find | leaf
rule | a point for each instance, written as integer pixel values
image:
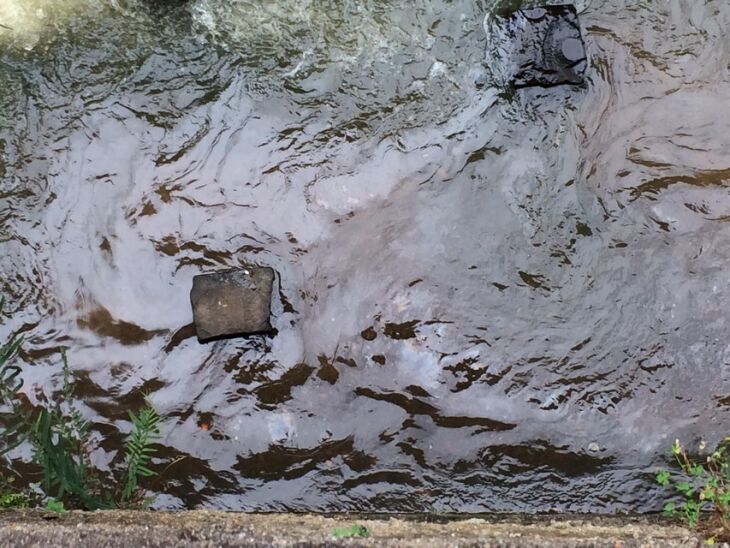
(691, 511)
(685, 488)
(60, 442)
(697, 470)
(354, 531)
(55, 506)
(708, 494)
(14, 500)
(139, 448)
(662, 478)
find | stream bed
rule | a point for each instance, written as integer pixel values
(486, 300)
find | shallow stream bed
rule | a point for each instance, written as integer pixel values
(486, 301)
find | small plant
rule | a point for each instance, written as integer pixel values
(139, 448)
(703, 487)
(61, 448)
(353, 531)
(55, 506)
(59, 437)
(14, 500)
(59, 452)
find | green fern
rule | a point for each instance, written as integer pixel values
(59, 437)
(139, 448)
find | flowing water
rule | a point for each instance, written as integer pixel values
(486, 301)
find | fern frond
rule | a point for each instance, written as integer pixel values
(139, 448)
(59, 437)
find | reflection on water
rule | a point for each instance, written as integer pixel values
(479, 293)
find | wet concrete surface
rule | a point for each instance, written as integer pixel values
(213, 529)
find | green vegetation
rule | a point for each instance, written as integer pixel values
(14, 500)
(353, 531)
(55, 506)
(139, 448)
(59, 437)
(703, 488)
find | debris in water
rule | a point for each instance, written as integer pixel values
(235, 302)
(536, 47)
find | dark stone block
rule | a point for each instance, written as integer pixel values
(236, 302)
(539, 46)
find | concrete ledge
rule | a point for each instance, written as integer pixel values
(208, 529)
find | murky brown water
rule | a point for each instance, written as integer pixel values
(487, 302)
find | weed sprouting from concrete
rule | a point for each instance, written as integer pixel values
(353, 531)
(703, 489)
(61, 447)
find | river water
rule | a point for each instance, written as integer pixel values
(486, 301)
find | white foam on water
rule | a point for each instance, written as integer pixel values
(348, 30)
(24, 22)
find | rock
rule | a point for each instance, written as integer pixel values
(537, 47)
(236, 302)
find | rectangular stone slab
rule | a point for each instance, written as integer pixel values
(232, 303)
(545, 46)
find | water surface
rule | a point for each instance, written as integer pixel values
(486, 301)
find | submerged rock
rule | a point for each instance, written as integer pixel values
(536, 47)
(236, 302)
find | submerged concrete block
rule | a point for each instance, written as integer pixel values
(540, 46)
(235, 302)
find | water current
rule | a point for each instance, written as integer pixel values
(486, 300)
